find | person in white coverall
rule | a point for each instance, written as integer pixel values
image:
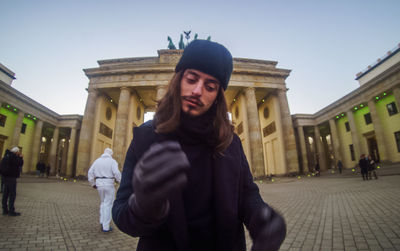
(102, 174)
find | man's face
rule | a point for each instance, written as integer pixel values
(198, 92)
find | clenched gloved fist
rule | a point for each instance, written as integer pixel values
(267, 229)
(160, 171)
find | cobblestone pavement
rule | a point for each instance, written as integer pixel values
(331, 212)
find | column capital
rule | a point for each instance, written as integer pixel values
(282, 90)
(161, 87)
(92, 90)
(161, 90)
(247, 89)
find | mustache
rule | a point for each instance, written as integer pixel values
(193, 100)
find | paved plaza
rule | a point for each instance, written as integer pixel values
(331, 212)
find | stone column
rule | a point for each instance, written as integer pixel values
(161, 90)
(86, 135)
(71, 152)
(53, 152)
(121, 125)
(379, 135)
(321, 157)
(64, 158)
(17, 129)
(255, 137)
(280, 135)
(396, 94)
(288, 132)
(335, 141)
(303, 148)
(354, 134)
(37, 139)
(309, 152)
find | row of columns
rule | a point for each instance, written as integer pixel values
(357, 146)
(120, 142)
(121, 126)
(37, 137)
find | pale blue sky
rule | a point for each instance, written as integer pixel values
(324, 43)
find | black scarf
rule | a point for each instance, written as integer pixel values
(199, 129)
(196, 136)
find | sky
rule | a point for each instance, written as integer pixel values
(47, 44)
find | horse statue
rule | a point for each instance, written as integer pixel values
(171, 45)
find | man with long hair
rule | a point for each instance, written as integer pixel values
(186, 183)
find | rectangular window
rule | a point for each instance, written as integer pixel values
(347, 126)
(392, 109)
(23, 128)
(397, 138)
(269, 129)
(367, 118)
(3, 119)
(105, 130)
(352, 152)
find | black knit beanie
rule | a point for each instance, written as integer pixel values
(208, 57)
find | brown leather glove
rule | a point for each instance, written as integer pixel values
(160, 171)
(267, 229)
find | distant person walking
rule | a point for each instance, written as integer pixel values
(101, 176)
(48, 170)
(340, 166)
(364, 165)
(371, 167)
(11, 166)
(40, 168)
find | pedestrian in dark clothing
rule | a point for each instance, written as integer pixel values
(363, 163)
(317, 169)
(2, 177)
(340, 166)
(371, 168)
(186, 183)
(48, 170)
(2, 183)
(41, 168)
(11, 169)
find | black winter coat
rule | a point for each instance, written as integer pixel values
(236, 199)
(10, 165)
(364, 165)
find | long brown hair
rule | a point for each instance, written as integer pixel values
(168, 114)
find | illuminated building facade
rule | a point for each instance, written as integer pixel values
(39, 132)
(365, 121)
